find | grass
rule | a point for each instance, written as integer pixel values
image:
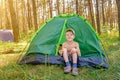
(10, 70)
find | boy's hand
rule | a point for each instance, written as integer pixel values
(73, 50)
(60, 52)
(78, 54)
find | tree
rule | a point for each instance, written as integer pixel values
(103, 16)
(34, 15)
(14, 20)
(29, 15)
(77, 7)
(118, 6)
(7, 20)
(80, 7)
(97, 18)
(1, 14)
(58, 10)
(44, 10)
(108, 11)
(63, 6)
(24, 29)
(91, 13)
(50, 6)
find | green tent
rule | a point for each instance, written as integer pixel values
(45, 43)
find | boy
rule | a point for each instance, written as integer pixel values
(70, 48)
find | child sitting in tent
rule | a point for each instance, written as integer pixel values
(70, 48)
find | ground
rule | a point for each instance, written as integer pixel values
(11, 70)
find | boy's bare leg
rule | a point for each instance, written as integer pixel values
(65, 55)
(74, 67)
(67, 69)
(74, 56)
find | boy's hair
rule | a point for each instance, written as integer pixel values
(70, 30)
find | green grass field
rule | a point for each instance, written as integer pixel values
(10, 70)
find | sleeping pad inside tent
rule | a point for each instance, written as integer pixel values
(45, 43)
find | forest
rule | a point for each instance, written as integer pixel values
(25, 17)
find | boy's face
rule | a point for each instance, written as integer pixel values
(69, 36)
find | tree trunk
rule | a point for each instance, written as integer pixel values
(77, 7)
(7, 21)
(68, 7)
(63, 6)
(80, 8)
(14, 21)
(34, 15)
(58, 10)
(29, 15)
(1, 14)
(118, 6)
(103, 16)
(44, 11)
(16, 11)
(97, 18)
(108, 12)
(24, 29)
(50, 6)
(91, 13)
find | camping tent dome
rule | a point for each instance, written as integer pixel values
(45, 43)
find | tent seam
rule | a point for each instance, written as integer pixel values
(60, 37)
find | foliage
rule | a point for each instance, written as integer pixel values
(110, 40)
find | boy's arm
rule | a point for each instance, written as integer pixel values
(63, 45)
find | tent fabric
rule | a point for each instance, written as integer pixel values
(88, 62)
(6, 35)
(47, 40)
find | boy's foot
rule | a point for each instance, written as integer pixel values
(74, 71)
(67, 69)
